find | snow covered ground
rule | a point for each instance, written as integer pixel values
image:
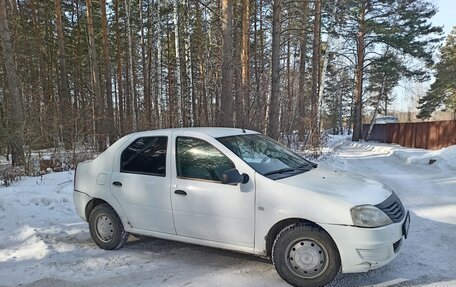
(44, 243)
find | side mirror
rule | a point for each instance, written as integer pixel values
(233, 177)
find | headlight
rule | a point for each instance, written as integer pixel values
(369, 216)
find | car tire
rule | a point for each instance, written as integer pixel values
(305, 256)
(106, 228)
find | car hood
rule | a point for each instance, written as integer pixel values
(351, 188)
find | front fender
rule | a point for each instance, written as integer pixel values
(277, 202)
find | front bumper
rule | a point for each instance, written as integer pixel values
(364, 249)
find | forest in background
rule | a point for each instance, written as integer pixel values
(83, 73)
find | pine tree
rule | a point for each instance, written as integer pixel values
(95, 80)
(384, 75)
(337, 95)
(372, 24)
(443, 90)
(16, 114)
(274, 108)
(316, 74)
(226, 101)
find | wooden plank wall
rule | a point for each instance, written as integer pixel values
(428, 135)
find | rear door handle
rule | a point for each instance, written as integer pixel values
(117, 183)
(181, 192)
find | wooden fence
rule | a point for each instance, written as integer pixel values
(428, 135)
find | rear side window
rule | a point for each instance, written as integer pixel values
(198, 159)
(145, 156)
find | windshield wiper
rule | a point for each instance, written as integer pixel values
(282, 170)
(307, 166)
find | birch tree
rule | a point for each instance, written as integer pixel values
(178, 64)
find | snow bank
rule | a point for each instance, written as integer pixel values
(426, 183)
(444, 158)
(36, 216)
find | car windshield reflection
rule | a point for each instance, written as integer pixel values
(266, 156)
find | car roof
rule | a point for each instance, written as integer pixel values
(210, 131)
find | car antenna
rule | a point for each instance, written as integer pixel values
(231, 119)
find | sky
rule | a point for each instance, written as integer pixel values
(446, 15)
(408, 93)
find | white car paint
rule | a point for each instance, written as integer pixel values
(140, 205)
(237, 217)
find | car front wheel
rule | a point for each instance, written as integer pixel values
(305, 256)
(106, 228)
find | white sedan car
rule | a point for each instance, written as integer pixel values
(239, 190)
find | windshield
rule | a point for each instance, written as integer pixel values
(266, 156)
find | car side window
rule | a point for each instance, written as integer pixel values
(145, 155)
(198, 159)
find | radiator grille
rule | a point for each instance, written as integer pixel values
(393, 207)
(397, 245)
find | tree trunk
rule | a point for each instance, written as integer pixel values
(377, 105)
(274, 103)
(62, 75)
(119, 71)
(226, 111)
(258, 107)
(245, 64)
(158, 70)
(179, 101)
(190, 101)
(132, 111)
(151, 106)
(340, 113)
(302, 98)
(203, 112)
(314, 127)
(287, 107)
(386, 105)
(169, 68)
(237, 64)
(16, 114)
(329, 39)
(37, 96)
(107, 61)
(146, 93)
(53, 128)
(359, 73)
(95, 79)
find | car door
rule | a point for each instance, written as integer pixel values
(141, 183)
(203, 207)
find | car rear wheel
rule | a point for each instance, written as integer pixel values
(305, 256)
(106, 228)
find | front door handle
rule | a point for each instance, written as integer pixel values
(181, 192)
(117, 183)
